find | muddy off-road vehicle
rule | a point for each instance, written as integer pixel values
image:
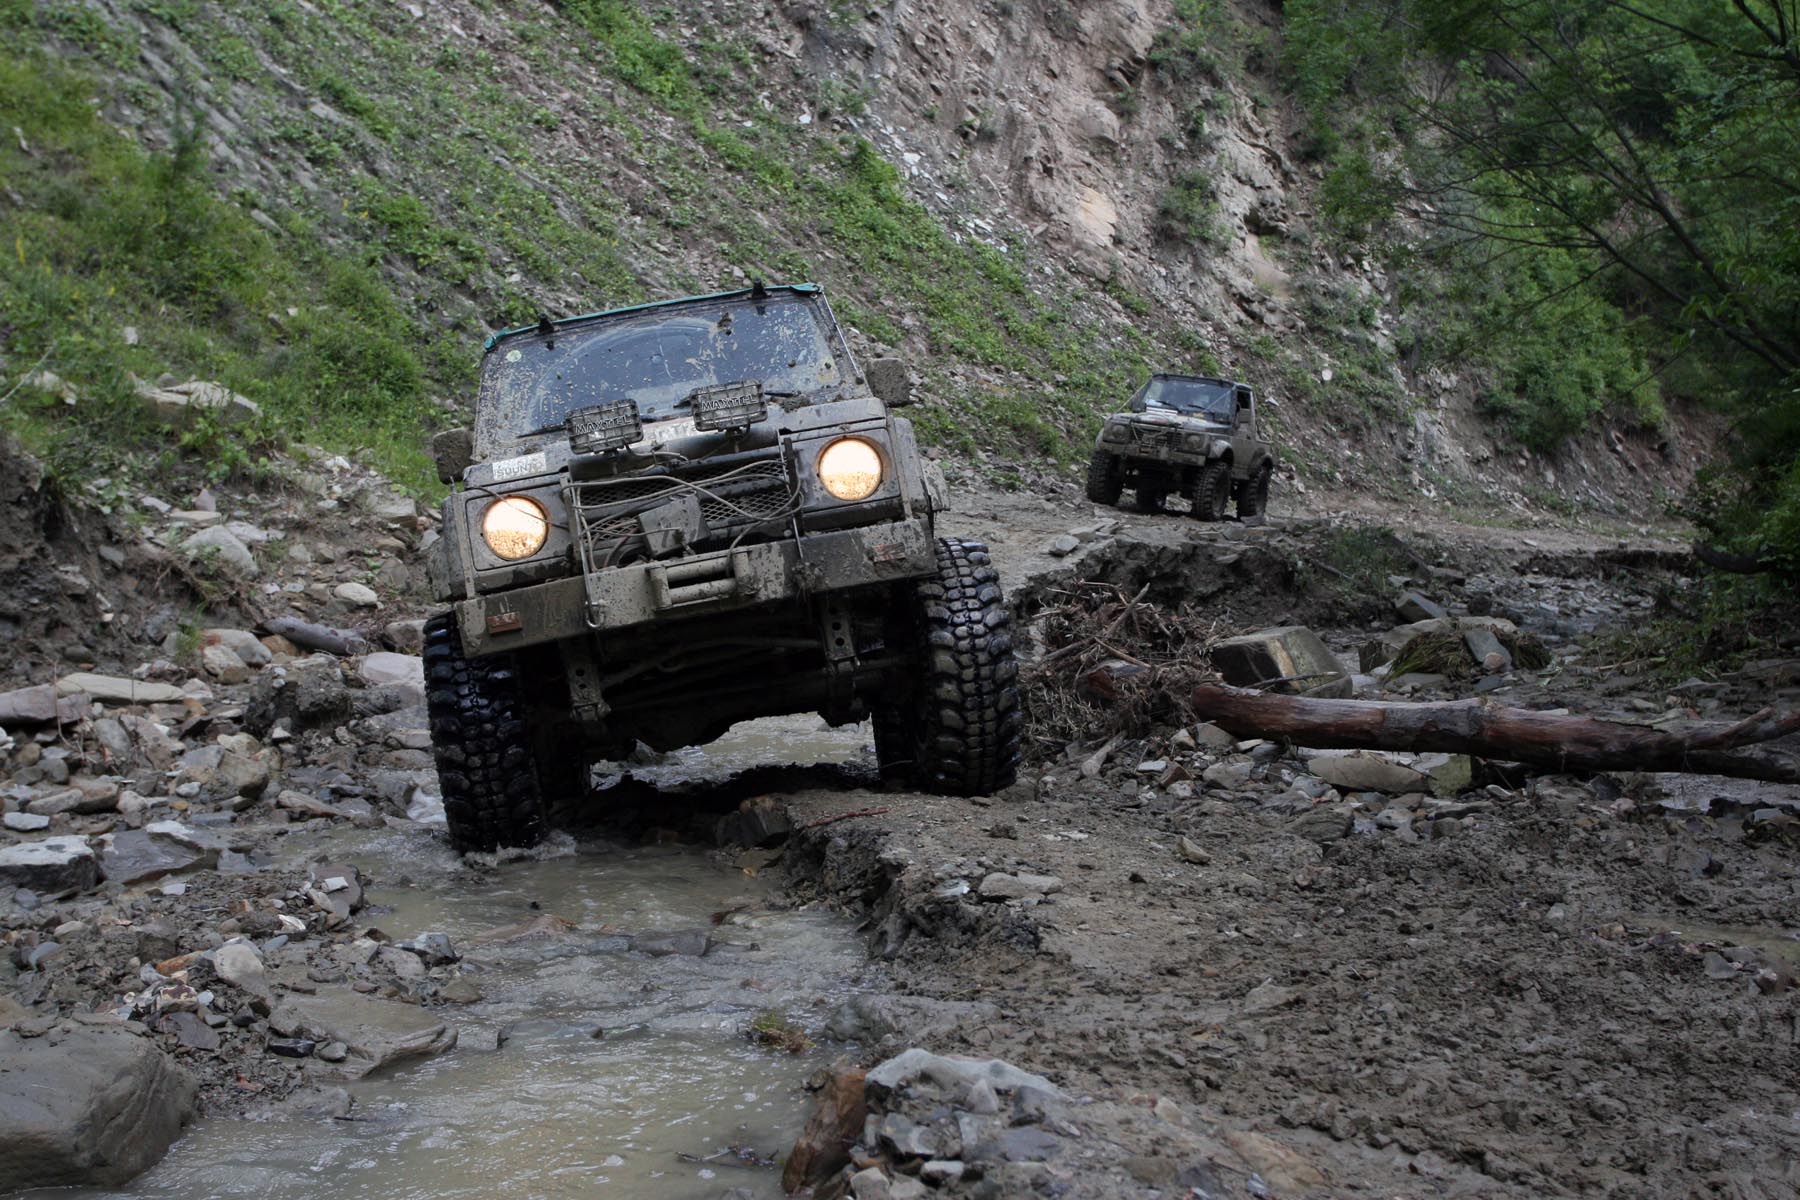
(1189, 435)
(674, 517)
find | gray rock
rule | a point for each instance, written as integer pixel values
(1290, 658)
(110, 689)
(28, 706)
(239, 964)
(1001, 886)
(434, 948)
(93, 1107)
(1366, 771)
(384, 668)
(939, 1171)
(181, 403)
(53, 865)
(26, 822)
(1488, 650)
(1063, 545)
(241, 642)
(906, 1138)
(870, 1183)
(357, 595)
(219, 541)
(222, 663)
(692, 943)
(135, 856)
(954, 1075)
(375, 1033)
(308, 693)
(1415, 606)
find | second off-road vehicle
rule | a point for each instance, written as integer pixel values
(1189, 435)
(677, 516)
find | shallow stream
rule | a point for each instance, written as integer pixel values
(617, 1074)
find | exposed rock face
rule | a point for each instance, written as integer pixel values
(86, 1105)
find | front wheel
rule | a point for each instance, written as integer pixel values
(1105, 478)
(1212, 491)
(485, 761)
(958, 732)
(1254, 499)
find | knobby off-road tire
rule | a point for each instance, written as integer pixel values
(1212, 491)
(1254, 499)
(482, 744)
(1105, 478)
(960, 734)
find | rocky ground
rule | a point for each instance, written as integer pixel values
(1205, 967)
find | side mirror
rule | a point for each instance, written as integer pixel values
(451, 452)
(890, 381)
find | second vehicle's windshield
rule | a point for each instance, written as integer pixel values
(658, 358)
(1208, 398)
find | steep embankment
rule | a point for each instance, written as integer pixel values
(328, 206)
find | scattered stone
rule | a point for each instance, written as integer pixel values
(28, 706)
(1414, 606)
(53, 865)
(434, 948)
(1365, 771)
(1488, 650)
(357, 595)
(822, 1149)
(375, 1033)
(223, 664)
(25, 822)
(179, 404)
(1289, 659)
(110, 689)
(93, 1107)
(239, 964)
(461, 990)
(1192, 851)
(384, 668)
(692, 943)
(952, 1075)
(1001, 886)
(1063, 545)
(220, 541)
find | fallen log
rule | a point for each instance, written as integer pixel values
(1557, 741)
(308, 636)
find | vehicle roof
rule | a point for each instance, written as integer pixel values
(1199, 379)
(798, 289)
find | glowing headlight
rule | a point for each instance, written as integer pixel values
(1114, 433)
(515, 527)
(850, 469)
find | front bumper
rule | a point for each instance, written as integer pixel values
(697, 586)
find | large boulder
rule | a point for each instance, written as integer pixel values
(86, 1106)
(1290, 659)
(307, 693)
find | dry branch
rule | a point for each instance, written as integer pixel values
(1557, 741)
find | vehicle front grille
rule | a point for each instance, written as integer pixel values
(734, 500)
(1154, 439)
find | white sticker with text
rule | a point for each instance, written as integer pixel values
(518, 468)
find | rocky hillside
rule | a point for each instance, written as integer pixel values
(327, 206)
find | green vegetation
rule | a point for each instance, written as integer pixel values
(1189, 211)
(1613, 186)
(111, 237)
(1705, 632)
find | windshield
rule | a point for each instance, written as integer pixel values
(1208, 398)
(658, 357)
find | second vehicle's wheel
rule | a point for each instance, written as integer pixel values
(959, 734)
(1254, 499)
(482, 745)
(1212, 491)
(1150, 499)
(1105, 478)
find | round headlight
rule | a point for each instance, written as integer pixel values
(850, 469)
(1114, 433)
(515, 527)
(1193, 441)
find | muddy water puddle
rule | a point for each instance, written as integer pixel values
(618, 1072)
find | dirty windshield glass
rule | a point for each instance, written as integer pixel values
(658, 358)
(1191, 397)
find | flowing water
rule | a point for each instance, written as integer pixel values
(618, 1074)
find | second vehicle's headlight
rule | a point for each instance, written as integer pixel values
(850, 469)
(1114, 433)
(515, 527)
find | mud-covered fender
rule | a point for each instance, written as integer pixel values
(1218, 448)
(443, 559)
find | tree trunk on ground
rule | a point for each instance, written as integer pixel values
(1556, 741)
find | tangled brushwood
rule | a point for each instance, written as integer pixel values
(1110, 664)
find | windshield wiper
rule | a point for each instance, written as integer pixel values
(559, 427)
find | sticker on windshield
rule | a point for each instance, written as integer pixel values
(514, 355)
(518, 468)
